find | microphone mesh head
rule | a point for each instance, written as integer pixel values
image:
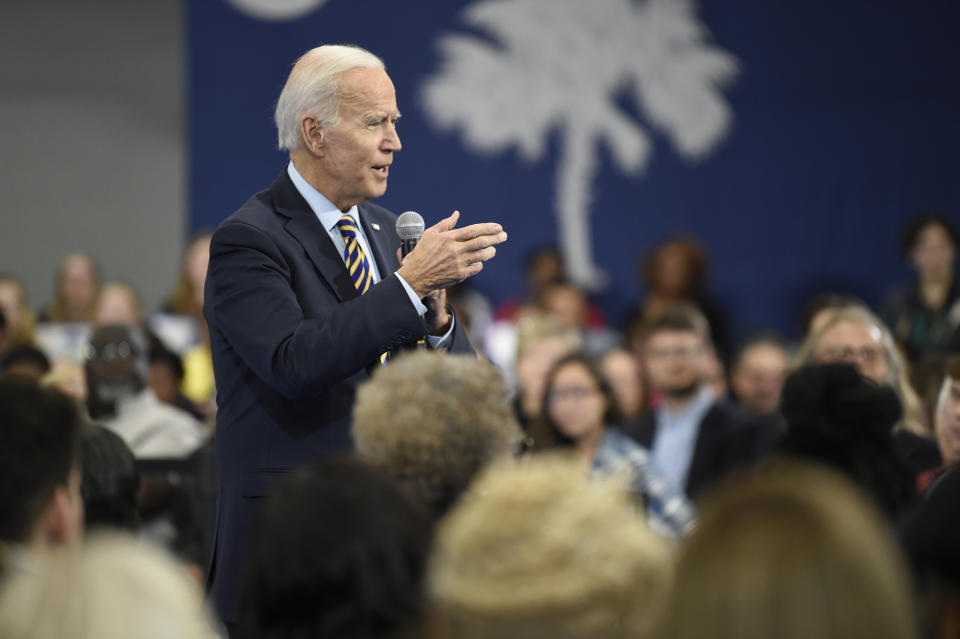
(410, 226)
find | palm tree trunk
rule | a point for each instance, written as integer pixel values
(575, 172)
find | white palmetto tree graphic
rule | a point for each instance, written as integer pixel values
(562, 65)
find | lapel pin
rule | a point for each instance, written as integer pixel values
(376, 227)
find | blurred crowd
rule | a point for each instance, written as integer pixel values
(656, 476)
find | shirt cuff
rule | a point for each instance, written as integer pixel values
(417, 304)
(443, 342)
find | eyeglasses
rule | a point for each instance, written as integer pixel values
(677, 353)
(576, 393)
(110, 351)
(866, 355)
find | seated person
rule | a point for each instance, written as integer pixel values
(432, 421)
(114, 587)
(119, 398)
(789, 550)
(40, 503)
(854, 335)
(339, 551)
(25, 361)
(759, 369)
(536, 550)
(582, 411)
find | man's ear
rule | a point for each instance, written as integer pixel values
(312, 134)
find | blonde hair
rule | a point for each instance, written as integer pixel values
(114, 587)
(432, 420)
(313, 87)
(538, 328)
(792, 551)
(537, 550)
(897, 374)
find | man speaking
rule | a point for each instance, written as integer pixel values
(305, 294)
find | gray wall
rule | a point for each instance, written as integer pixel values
(92, 132)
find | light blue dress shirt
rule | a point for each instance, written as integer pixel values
(676, 436)
(329, 215)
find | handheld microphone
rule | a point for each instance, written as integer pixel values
(409, 229)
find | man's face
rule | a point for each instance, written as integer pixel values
(758, 377)
(947, 423)
(358, 150)
(675, 360)
(856, 343)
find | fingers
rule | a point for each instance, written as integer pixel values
(484, 241)
(448, 223)
(476, 230)
(481, 256)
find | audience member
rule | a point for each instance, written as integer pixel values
(789, 552)
(856, 336)
(166, 379)
(694, 438)
(947, 417)
(431, 421)
(339, 552)
(541, 341)
(110, 481)
(26, 362)
(677, 271)
(538, 551)
(838, 417)
(114, 587)
(581, 411)
(75, 291)
(625, 376)
(119, 398)
(117, 303)
(759, 368)
(40, 503)
(925, 315)
(541, 266)
(19, 318)
(568, 304)
(930, 535)
(818, 309)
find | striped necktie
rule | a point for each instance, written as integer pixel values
(353, 256)
(356, 262)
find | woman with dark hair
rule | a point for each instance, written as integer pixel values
(581, 411)
(925, 316)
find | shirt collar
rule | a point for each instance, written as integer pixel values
(324, 209)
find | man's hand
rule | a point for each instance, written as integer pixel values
(446, 255)
(437, 317)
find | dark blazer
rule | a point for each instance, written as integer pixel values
(725, 441)
(291, 341)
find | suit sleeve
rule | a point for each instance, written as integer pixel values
(252, 303)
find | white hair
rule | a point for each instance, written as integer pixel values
(312, 88)
(944, 393)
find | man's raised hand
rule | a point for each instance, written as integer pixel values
(446, 255)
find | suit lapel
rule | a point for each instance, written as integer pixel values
(304, 226)
(380, 239)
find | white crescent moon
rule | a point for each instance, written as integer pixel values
(275, 10)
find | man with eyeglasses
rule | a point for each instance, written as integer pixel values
(694, 438)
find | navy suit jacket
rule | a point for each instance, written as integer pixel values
(725, 441)
(291, 341)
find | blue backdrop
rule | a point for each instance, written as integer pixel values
(846, 123)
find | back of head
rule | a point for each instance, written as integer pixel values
(789, 552)
(114, 587)
(536, 549)
(25, 361)
(39, 432)
(432, 420)
(110, 481)
(313, 86)
(339, 552)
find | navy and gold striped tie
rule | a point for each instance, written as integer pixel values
(353, 256)
(356, 261)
